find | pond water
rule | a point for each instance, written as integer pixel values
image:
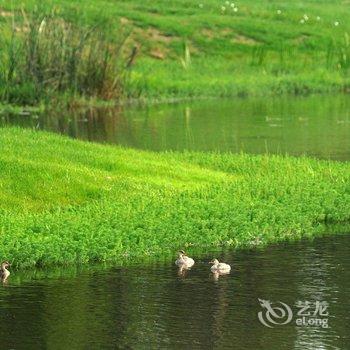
(155, 307)
(317, 126)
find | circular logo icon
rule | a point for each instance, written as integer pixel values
(274, 314)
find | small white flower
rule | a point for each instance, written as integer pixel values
(306, 17)
(232, 5)
(227, 3)
(302, 21)
(318, 18)
(279, 12)
(235, 9)
(336, 23)
(223, 8)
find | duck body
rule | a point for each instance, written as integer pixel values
(4, 273)
(183, 260)
(219, 267)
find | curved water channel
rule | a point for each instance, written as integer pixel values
(287, 296)
(317, 126)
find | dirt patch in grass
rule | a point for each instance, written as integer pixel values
(152, 35)
(4, 13)
(125, 21)
(245, 40)
(301, 39)
(156, 35)
(154, 42)
(209, 33)
(158, 53)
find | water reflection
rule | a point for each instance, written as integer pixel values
(182, 271)
(317, 126)
(147, 307)
(215, 275)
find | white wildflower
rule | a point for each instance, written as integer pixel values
(306, 17)
(279, 12)
(235, 9)
(336, 23)
(302, 21)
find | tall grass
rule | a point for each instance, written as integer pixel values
(66, 201)
(44, 56)
(344, 53)
(338, 53)
(186, 58)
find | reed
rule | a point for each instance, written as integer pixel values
(46, 56)
(186, 58)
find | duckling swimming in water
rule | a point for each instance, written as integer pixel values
(4, 273)
(184, 260)
(219, 267)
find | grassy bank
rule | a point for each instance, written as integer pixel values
(67, 201)
(183, 48)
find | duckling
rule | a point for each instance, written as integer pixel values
(184, 260)
(219, 267)
(4, 273)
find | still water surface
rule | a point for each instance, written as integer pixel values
(153, 307)
(317, 125)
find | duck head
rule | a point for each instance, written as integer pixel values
(181, 253)
(5, 265)
(214, 262)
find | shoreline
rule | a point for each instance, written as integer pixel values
(144, 103)
(20, 274)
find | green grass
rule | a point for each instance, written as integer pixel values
(66, 201)
(185, 50)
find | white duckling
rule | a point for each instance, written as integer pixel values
(4, 273)
(183, 260)
(219, 267)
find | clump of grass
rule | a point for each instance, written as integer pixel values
(45, 56)
(186, 59)
(344, 53)
(66, 201)
(259, 54)
(338, 53)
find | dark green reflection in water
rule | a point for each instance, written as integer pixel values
(317, 126)
(154, 308)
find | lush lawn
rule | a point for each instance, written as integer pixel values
(195, 48)
(66, 201)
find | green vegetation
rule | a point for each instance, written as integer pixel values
(184, 48)
(48, 57)
(65, 201)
